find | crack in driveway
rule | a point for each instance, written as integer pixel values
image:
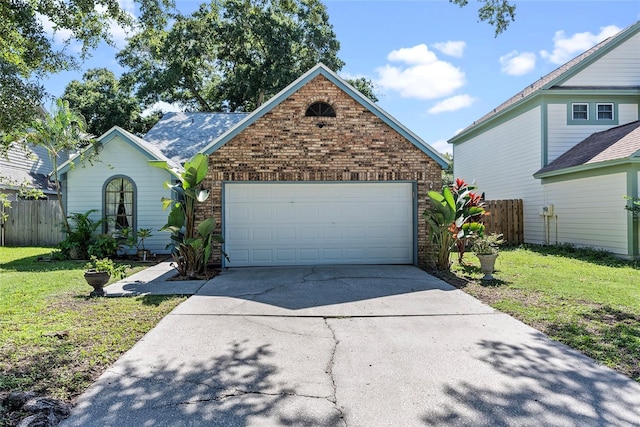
(329, 371)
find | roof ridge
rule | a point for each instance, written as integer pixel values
(539, 84)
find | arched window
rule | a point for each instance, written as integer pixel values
(119, 204)
(320, 109)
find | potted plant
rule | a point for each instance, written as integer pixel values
(486, 249)
(143, 253)
(99, 271)
(136, 240)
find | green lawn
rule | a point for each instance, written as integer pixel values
(54, 339)
(583, 298)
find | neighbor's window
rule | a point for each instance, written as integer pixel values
(580, 111)
(604, 111)
(119, 196)
(320, 109)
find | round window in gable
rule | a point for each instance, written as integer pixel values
(320, 109)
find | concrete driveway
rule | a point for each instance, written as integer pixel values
(354, 346)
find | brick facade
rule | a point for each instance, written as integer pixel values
(284, 145)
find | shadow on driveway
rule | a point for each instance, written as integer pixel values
(539, 382)
(299, 288)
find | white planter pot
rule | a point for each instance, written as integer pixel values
(487, 265)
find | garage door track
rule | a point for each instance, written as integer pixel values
(354, 346)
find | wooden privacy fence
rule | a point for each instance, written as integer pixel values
(506, 217)
(32, 223)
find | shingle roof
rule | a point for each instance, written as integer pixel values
(617, 143)
(181, 135)
(30, 165)
(543, 82)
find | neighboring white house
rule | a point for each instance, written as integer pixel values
(121, 186)
(515, 151)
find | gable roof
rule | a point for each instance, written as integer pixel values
(321, 69)
(149, 150)
(555, 77)
(599, 149)
(179, 136)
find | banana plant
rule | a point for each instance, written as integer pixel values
(191, 244)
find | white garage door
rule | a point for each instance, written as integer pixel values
(310, 223)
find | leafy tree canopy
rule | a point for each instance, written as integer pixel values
(232, 54)
(104, 103)
(364, 86)
(229, 53)
(27, 51)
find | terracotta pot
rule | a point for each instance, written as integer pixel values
(487, 264)
(97, 279)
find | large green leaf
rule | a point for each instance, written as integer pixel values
(448, 197)
(195, 170)
(176, 217)
(206, 227)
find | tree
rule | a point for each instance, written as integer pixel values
(231, 55)
(447, 174)
(174, 62)
(26, 50)
(266, 44)
(60, 131)
(104, 103)
(498, 13)
(364, 86)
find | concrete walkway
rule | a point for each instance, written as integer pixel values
(155, 280)
(350, 345)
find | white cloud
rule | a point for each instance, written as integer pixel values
(422, 76)
(442, 146)
(452, 104)
(451, 48)
(419, 54)
(515, 63)
(565, 48)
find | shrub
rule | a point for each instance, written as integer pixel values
(104, 246)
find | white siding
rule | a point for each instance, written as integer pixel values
(589, 212)
(561, 136)
(502, 162)
(118, 157)
(620, 67)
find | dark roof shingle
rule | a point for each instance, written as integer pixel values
(620, 142)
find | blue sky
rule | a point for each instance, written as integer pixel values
(436, 67)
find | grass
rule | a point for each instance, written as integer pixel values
(584, 298)
(54, 339)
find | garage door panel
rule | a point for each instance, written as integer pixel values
(285, 234)
(309, 223)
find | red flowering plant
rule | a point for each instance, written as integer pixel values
(454, 219)
(469, 220)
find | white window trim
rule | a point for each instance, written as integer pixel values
(612, 110)
(573, 112)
